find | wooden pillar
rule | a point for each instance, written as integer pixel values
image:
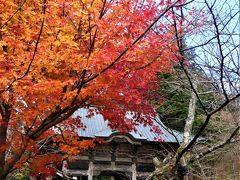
(134, 165)
(134, 171)
(113, 156)
(90, 170)
(113, 166)
(64, 166)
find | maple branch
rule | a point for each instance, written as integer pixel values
(133, 43)
(62, 135)
(183, 4)
(49, 118)
(41, 129)
(65, 141)
(90, 36)
(35, 49)
(92, 40)
(32, 125)
(9, 166)
(103, 10)
(56, 118)
(10, 18)
(5, 111)
(79, 86)
(150, 63)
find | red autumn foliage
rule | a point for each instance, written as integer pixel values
(58, 56)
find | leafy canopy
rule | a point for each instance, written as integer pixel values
(60, 55)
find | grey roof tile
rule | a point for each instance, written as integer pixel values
(96, 126)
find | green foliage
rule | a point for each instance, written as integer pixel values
(173, 106)
(21, 176)
(175, 94)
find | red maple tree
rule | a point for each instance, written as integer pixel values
(58, 56)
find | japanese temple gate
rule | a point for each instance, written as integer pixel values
(119, 156)
(128, 156)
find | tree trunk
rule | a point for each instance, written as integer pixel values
(5, 113)
(3, 136)
(189, 124)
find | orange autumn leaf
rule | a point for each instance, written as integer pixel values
(58, 56)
